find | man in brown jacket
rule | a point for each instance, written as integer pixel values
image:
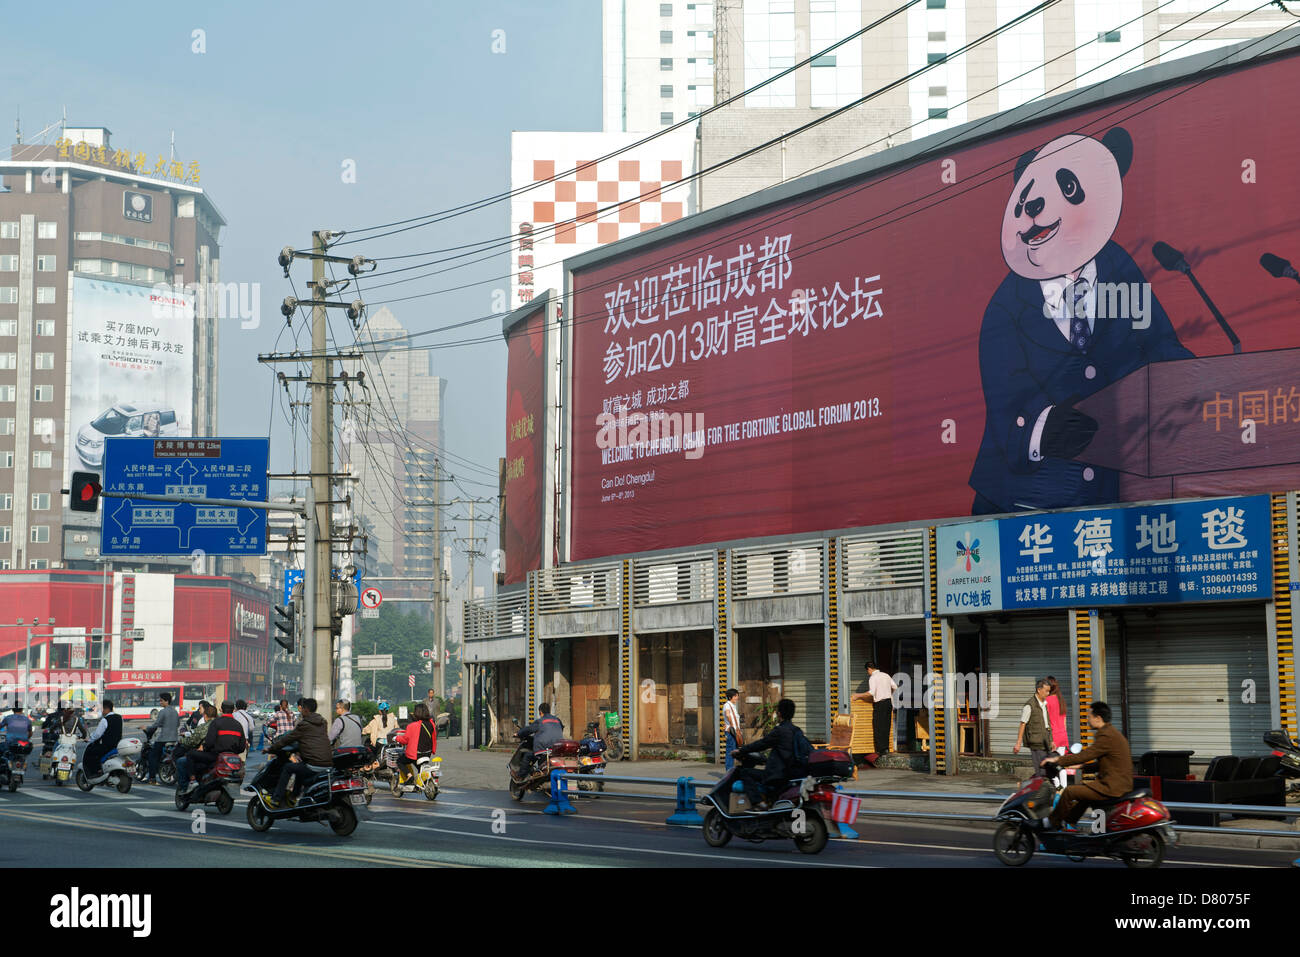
(1115, 769)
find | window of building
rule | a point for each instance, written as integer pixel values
(8, 230)
(6, 426)
(665, 9)
(938, 91)
(1111, 36)
(937, 113)
(40, 501)
(39, 564)
(8, 294)
(45, 294)
(5, 564)
(935, 57)
(8, 393)
(6, 501)
(42, 460)
(44, 360)
(47, 230)
(8, 263)
(665, 64)
(88, 265)
(6, 460)
(8, 360)
(199, 655)
(935, 4)
(47, 263)
(666, 92)
(6, 533)
(44, 393)
(8, 327)
(40, 534)
(938, 36)
(122, 241)
(666, 119)
(42, 426)
(44, 327)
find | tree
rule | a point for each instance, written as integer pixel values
(400, 634)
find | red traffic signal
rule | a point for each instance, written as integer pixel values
(84, 494)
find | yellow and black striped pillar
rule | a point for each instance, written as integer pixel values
(533, 664)
(938, 717)
(720, 643)
(1284, 568)
(833, 626)
(1081, 624)
(626, 704)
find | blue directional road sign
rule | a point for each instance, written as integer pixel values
(293, 577)
(199, 468)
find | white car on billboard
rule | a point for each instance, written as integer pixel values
(122, 420)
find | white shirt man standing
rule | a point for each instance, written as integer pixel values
(731, 720)
(879, 689)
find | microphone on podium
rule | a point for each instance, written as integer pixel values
(1174, 261)
(1278, 267)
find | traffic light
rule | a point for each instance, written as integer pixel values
(286, 625)
(84, 494)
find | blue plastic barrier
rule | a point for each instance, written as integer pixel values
(685, 812)
(559, 798)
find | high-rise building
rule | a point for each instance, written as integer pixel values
(108, 261)
(391, 441)
(657, 63)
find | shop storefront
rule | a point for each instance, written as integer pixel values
(776, 663)
(580, 678)
(897, 647)
(1019, 649)
(675, 699)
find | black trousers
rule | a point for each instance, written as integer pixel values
(882, 713)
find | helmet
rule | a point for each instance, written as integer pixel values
(383, 706)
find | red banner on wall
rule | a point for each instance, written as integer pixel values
(975, 331)
(525, 445)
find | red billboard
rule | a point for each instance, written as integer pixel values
(1043, 318)
(525, 444)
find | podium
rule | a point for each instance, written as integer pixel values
(1177, 428)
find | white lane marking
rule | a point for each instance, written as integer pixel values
(43, 795)
(183, 817)
(606, 847)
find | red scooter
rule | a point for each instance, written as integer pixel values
(1134, 828)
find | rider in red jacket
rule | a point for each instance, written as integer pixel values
(414, 737)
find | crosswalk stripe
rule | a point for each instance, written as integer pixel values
(44, 795)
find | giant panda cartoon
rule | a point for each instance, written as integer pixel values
(1044, 344)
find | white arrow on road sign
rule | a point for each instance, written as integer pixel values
(371, 598)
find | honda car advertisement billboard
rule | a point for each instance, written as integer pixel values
(1088, 308)
(525, 444)
(132, 371)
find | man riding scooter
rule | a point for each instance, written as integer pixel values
(538, 736)
(314, 750)
(225, 735)
(1115, 769)
(106, 736)
(788, 751)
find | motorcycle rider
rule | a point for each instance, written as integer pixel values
(164, 730)
(16, 726)
(345, 732)
(414, 736)
(1114, 775)
(788, 751)
(539, 735)
(197, 716)
(378, 730)
(314, 750)
(105, 737)
(223, 735)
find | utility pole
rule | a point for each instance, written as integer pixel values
(439, 638)
(320, 639)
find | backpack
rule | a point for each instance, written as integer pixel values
(802, 748)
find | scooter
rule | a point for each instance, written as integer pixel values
(1134, 827)
(329, 797)
(798, 814)
(118, 766)
(591, 760)
(166, 764)
(536, 775)
(1289, 753)
(13, 762)
(428, 773)
(219, 786)
(63, 759)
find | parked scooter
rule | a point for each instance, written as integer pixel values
(1289, 753)
(1134, 828)
(591, 759)
(536, 774)
(13, 762)
(219, 786)
(329, 797)
(118, 767)
(798, 814)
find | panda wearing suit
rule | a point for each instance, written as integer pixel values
(1044, 343)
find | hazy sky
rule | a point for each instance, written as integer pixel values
(283, 95)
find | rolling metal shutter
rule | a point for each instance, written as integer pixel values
(804, 660)
(1186, 668)
(1019, 653)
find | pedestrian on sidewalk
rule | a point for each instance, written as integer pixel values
(878, 689)
(1035, 725)
(1060, 730)
(281, 723)
(731, 719)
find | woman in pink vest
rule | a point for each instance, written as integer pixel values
(1056, 716)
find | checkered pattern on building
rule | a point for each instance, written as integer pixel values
(569, 203)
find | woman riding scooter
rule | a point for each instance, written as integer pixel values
(420, 738)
